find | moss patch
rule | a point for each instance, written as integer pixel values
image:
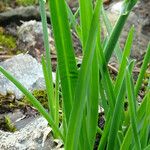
(26, 2)
(6, 124)
(7, 42)
(41, 96)
(8, 103)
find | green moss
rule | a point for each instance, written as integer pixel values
(26, 2)
(41, 96)
(6, 124)
(7, 42)
(8, 103)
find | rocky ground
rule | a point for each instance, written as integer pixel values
(21, 47)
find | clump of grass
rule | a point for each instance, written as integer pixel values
(84, 90)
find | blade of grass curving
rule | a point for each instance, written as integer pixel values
(65, 53)
(132, 110)
(109, 48)
(33, 100)
(83, 82)
(126, 54)
(47, 67)
(143, 70)
(109, 28)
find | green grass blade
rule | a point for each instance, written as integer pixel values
(143, 70)
(115, 123)
(103, 100)
(56, 116)
(109, 48)
(82, 84)
(106, 80)
(93, 101)
(49, 89)
(86, 11)
(140, 115)
(109, 28)
(48, 67)
(73, 21)
(132, 106)
(104, 137)
(126, 54)
(33, 100)
(65, 53)
(144, 133)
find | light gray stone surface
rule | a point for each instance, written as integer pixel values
(31, 137)
(25, 69)
(30, 36)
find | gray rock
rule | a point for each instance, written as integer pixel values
(25, 69)
(31, 34)
(20, 13)
(31, 137)
(140, 18)
(30, 38)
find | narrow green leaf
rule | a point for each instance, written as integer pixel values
(115, 123)
(109, 28)
(144, 133)
(93, 101)
(128, 136)
(65, 53)
(132, 106)
(86, 11)
(82, 84)
(109, 48)
(143, 70)
(126, 54)
(47, 65)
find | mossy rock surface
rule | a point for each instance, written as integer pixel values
(40, 95)
(6, 124)
(26, 2)
(8, 103)
(7, 41)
